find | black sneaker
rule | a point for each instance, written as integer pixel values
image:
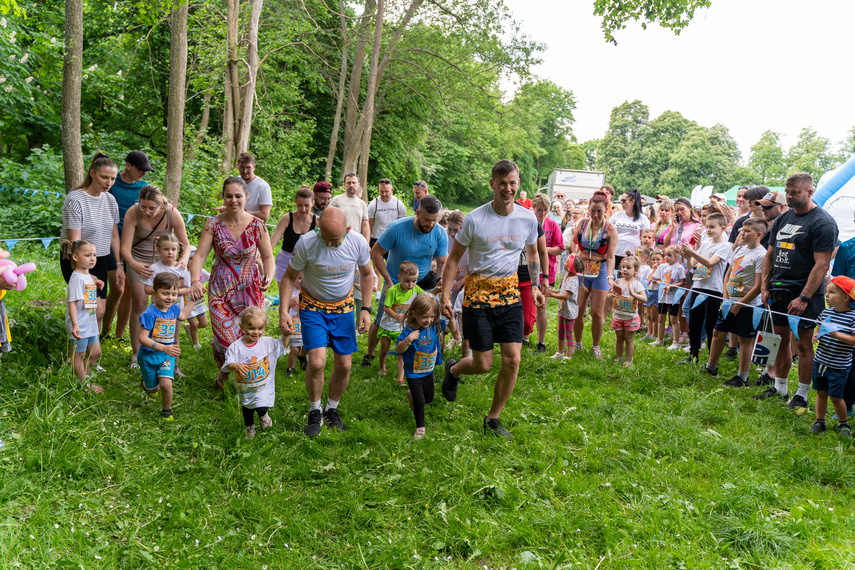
(731, 353)
(764, 380)
(449, 382)
(818, 426)
(303, 360)
(366, 360)
(735, 382)
(290, 372)
(797, 402)
(711, 371)
(770, 393)
(526, 343)
(495, 427)
(541, 348)
(167, 414)
(688, 360)
(332, 419)
(313, 426)
(843, 430)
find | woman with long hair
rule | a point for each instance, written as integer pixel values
(630, 221)
(664, 221)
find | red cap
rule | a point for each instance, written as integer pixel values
(322, 187)
(845, 283)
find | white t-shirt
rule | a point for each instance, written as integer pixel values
(258, 388)
(668, 275)
(181, 272)
(629, 232)
(328, 272)
(644, 273)
(200, 307)
(354, 209)
(384, 213)
(568, 308)
(712, 278)
(257, 194)
(626, 306)
(82, 291)
(296, 338)
(745, 265)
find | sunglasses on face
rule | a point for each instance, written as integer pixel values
(419, 184)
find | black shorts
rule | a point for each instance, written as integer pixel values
(781, 301)
(428, 282)
(486, 327)
(672, 309)
(105, 264)
(742, 323)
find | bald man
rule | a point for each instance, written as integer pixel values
(329, 259)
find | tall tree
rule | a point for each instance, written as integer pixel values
(811, 153)
(72, 73)
(177, 95)
(674, 15)
(767, 159)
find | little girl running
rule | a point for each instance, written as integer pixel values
(169, 249)
(253, 359)
(420, 346)
(80, 317)
(197, 319)
(569, 310)
(626, 319)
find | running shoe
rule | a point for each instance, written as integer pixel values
(332, 419)
(764, 380)
(449, 382)
(167, 415)
(818, 427)
(731, 353)
(366, 361)
(657, 342)
(595, 350)
(266, 421)
(843, 430)
(541, 348)
(250, 432)
(420, 433)
(797, 402)
(313, 426)
(494, 425)
(736, 382)
(771, 393)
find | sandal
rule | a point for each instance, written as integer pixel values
(219, 383)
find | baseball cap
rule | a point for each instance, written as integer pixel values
(140, 160)
(772, 199)
(322, 187)
(720, 196)
(845, 283)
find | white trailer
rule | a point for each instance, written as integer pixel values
(576, 184)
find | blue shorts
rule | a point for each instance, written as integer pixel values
(84, 343)
(153, 365)
(598, 283)
(828, 379)
(652, 298)
(335, 330)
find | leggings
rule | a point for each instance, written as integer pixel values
(702, 318)
(248, 419)
(421, 389)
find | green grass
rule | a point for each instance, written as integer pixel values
(655, 466)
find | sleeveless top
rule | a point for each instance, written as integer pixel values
(600, 245)
(143, 249)
(290, 237)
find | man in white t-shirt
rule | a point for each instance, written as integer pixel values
(328, 258)
(353, 207)
(383, 210)
(495, 235)
(259, 199)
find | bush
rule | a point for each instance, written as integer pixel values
(39, 326)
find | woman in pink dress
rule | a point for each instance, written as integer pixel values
(235, 283)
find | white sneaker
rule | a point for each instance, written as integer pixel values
(686, 349)
(197, 346)
(134, 364)
(675, 346)
(657, 342)
(556, 355)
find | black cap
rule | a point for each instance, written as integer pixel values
(140, 160)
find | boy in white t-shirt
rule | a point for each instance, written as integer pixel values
(742, 287)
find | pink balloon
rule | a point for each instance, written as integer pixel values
(21, 284)
(26, 268)
(10, 277)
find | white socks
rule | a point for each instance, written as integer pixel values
(803, 390)
(331, 404)
(314, 405)
(781, 386)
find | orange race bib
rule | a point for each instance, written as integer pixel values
(90, 296)
(735, 288)
(424, 362)
(163, 330)
(258, 370)
(702, 271)
(399, 309)
(592, 269)
(626, 306)
(295, 322)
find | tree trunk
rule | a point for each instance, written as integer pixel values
(177, 95)
(203, 126)
(252, 72)
(368, 108)
(72, 76)
(232, 86)
(354, 85)
(228, 125)
(339, 103)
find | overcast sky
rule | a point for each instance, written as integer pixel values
(751, 65)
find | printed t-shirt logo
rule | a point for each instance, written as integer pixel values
(258, 370)
(485, 292)
(788, 232)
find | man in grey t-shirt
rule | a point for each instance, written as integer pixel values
(384, 209)
(259, 199)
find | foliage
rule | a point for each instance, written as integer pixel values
(767, 159)
(674, 15)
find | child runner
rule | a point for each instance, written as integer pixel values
(169, 249)
(670, 275)
(295, 343)
(834, 354)
(197, 318)
(651, 305)
(158, 349)
(253, 358)
(743, 288)
(626, 319)
(398, 299)
(568, 310)
(710, 264)
(420, 348)
(80, 319)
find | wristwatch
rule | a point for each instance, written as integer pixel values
(367, 309)
(804, 298)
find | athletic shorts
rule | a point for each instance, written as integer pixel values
(84, 343)
(781, 301)
(327, 329)
(486, 327)
(828, 379)
(598, 283)
(565, 329)
(631, 325)
(742, 323)
(669, 309)
(391, 335)
(652, 298)
(153, 365)
(529, 310)
(103, 266)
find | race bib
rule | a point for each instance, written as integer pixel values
(423, 363)
(295, 322)
(735, 289)
(163, 330)
(702, 271)
(90, 296)
(592, 268)
(399, 309)
(626, 306)
(356, 279)
(258, 370)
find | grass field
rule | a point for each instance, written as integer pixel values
(654, 466)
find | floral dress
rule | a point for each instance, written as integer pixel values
(235, 282)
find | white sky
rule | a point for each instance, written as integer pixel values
(735, 64)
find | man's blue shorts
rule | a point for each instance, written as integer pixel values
(154, 365)
(335, 330)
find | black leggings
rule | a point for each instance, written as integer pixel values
(248, 419)
(702, 317)
(421, 389)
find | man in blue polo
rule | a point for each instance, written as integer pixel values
(416, 238)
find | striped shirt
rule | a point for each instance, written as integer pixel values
(94, 216)
(831, 351)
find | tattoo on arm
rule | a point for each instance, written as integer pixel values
(534, 270)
